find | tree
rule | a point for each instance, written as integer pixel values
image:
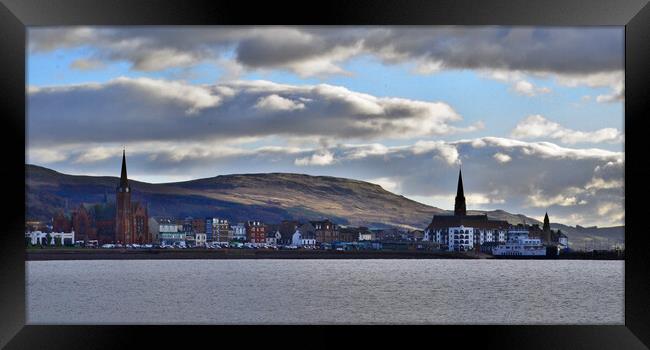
(48, 239)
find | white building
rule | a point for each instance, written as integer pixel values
(300, 240)
(38, 237)
(296, 239)
(200, 239)
(169, 232)
(519, 244)
(239, 232)
(366, 236)
(461, 238)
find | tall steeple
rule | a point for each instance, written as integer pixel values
(123, 215)
(124, 180)
(547, 224)
(459, 207)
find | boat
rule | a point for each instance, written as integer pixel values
(520, 245)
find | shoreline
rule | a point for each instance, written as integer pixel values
(224, 254)
(48, 254)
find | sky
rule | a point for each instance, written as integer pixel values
(533, 115)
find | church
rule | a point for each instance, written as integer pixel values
(462, 232)
(131, 218)
(123, 221)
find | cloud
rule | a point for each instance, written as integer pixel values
(568, 198)
(615, 80)
(573, 56)
(387, 183)
(536, 126)
(278, 103)
(502, 157)
(524, 87)
(317, 51)
(320, 158)
(87, 64)
(141, 109)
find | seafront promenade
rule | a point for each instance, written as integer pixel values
(37, 254)
(234, 253)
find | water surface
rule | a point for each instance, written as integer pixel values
(325, 292)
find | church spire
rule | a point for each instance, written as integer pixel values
(459, 207)
(547, 224)
(124, 181)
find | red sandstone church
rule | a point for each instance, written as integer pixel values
(131, 220)
(123, 222)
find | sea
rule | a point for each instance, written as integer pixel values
(376, 291)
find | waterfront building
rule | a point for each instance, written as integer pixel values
(308, 240)
(61, 222)
(221, 230)
(301, 240)
(296, 239)
(255, 231)
(349, 234)
(325, 231)
(103, 219)
(287, 229)
(187, 224)
(461, 238)
(239, 232)
(462, 232)
(209, 229)
(200, 239)
(273, 236)
(36, 225)
(169, 232)
(563, 240)
(40, 237)
(154, 229)
(218, 230)
(519, 244)
(416, 235)
(549, 236)
(198, 225)
(366, 235)
(82, 224)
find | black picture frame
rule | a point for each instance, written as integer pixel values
(15, 15)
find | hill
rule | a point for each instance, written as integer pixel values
(269, 197)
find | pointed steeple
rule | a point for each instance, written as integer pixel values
(547, 224)
(459, 207)
(124, 180)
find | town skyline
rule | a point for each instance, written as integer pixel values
(533, 115)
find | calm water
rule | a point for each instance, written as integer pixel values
(325, 291)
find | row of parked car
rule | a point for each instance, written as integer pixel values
(129, 246)
(182, 245)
